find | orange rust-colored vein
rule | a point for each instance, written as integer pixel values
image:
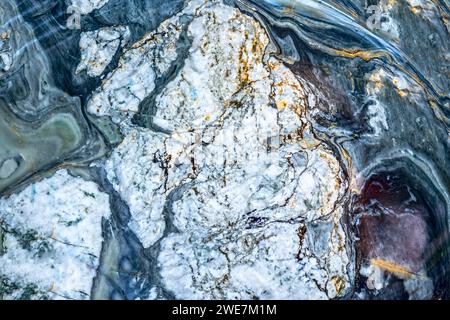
(365, 55)
(392, 267)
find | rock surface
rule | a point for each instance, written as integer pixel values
(52, 239)
(224, 149)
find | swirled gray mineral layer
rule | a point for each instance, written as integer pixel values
(224, 149)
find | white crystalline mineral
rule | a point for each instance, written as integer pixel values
(134, 79)
(251, 196)
(87, 6)
(98, 48)
(136, 172)
(52, 239)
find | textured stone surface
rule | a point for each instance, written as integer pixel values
(98, 48)
(52, 239)
(238, 149)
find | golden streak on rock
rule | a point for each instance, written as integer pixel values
(391, 3)
(347, 157)
(338, 283)
(401, 93)
(365, 55)
(392, 267)
(273, 66)
(375, 78)
(281, 104)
